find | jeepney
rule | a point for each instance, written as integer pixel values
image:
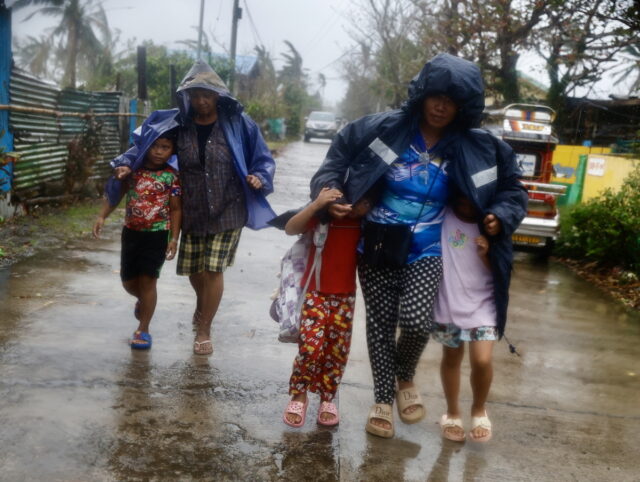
(527, 129)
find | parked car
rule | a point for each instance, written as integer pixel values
(527, 129)
(323, 125)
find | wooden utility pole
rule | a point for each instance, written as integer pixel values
(142, 73)
(200, 29)
(173, 84)
(237, 15)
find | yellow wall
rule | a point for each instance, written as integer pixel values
(565, 161)
(605, 172)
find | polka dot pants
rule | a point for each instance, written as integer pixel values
(398, 298)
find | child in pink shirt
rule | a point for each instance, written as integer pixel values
(465, 311)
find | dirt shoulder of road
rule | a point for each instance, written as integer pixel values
(48, 227)
(622, 285)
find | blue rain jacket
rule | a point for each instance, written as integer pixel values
(158, 122)
(482, 166)
(250, 152)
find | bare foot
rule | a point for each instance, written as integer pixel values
(381, 423)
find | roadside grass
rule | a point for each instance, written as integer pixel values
(45, 228)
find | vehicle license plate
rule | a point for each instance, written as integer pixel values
(522, 239)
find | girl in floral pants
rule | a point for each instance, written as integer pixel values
(327, 311)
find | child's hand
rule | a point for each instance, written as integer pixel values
(492, 225)
(327, 196)
(483, 245)
(97, 227)
(339, 211)
(254, 182)
(121, 172)
(172, 249)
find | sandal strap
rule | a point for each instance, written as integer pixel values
(296, 408)
(328, 407)
(408, 397)
(481, 422)
(447, 422)
(381, 411)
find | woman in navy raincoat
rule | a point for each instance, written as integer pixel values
(226, 171)
(415, 152)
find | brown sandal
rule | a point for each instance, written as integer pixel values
(380, 411)
(410, 397)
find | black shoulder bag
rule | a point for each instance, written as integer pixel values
(388, 245)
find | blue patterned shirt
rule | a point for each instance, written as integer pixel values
(418, 175)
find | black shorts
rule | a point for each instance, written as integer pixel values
(143, 252)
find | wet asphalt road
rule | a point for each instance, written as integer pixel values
(78, 404)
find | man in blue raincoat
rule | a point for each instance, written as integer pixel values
(226, 172)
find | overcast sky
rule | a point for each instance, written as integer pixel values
(317, 28)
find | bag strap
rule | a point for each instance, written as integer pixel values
(319, 238)
(426, 198)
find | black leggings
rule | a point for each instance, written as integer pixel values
(404, 298)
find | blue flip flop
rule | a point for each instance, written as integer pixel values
(143, 340)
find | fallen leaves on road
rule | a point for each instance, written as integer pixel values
(622, 285)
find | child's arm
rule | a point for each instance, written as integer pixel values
(483, 250)
(105, 210)
(298, 223)
(175, 215)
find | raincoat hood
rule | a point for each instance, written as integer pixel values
(159, 122)
(455, 77)
(202, 76)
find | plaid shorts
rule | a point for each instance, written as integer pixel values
(212, 252)
(452, 336)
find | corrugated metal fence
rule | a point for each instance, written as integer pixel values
(42, 139)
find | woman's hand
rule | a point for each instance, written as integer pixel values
(326, 197)
(254, 182)
(339, 211)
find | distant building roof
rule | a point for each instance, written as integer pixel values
(244, 63)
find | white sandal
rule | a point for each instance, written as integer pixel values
(481, 422)
(446, 422)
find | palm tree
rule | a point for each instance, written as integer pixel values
(75, 32)
(292, 71)
(37, 54)
(632, 67)
(322, 83)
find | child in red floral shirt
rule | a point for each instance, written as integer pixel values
(151, 230)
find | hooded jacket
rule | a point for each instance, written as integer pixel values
(480, 165)
(249, 150)
(158, 122)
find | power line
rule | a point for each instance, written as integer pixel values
(323, 29)
(256, 35)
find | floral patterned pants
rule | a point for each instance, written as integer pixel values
(323, 346)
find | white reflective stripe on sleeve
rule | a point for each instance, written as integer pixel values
(383, 150)
(485, 177)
